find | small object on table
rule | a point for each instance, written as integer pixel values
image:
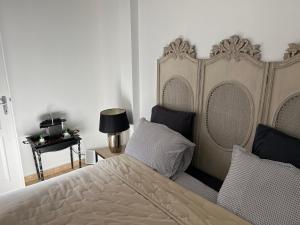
(66, 134)
(54, 127)
(113, 122)
(105, 153)
(42, 140)
(52, 144)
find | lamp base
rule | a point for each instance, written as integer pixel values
(114, 142)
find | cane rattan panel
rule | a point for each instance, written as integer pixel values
(229, 115)
(177, 94)
(288, 116)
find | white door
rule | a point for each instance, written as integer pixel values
(11, 173)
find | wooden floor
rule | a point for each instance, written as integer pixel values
(32, 179)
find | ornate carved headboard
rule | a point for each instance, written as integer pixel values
(231, 92)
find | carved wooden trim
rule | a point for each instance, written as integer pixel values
(179, 47)
(235, 47)
(293, 50)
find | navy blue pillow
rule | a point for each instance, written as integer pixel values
(179, 121)
(275, 145)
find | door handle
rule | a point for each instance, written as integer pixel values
(3, 102)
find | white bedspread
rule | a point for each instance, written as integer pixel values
(118, 190)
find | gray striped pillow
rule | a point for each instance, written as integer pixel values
(161, 148)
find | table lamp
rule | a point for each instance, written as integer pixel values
(113, 122)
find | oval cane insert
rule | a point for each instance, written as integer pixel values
(229, 115)
(287, 119)
(177, 95)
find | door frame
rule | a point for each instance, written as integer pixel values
(19, 167)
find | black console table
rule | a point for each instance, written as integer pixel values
(52, 144)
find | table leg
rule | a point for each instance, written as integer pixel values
(41, 167)
(79, 154)
(96, 156)
(71, 156)
(36, 165)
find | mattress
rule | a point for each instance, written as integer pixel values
(118, 190)
(196, 186)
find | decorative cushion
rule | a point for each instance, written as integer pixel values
(161, 148)
(264, 192)
(276, 145)
(180, 121)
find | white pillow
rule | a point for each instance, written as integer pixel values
(264, 192)
(161, 148)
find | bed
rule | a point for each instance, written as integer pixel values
(118, 190)
(123, 190)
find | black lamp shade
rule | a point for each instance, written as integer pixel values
(113, 121)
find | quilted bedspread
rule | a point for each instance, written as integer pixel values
(118, 190)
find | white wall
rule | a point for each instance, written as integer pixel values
(79, 57)
(271, 23)
(134, 9)
(64, 56)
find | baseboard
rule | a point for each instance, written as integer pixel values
(65, 168)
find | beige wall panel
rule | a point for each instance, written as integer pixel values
(284, 96)
(180, 70)
(230, 93)
(178, 79)
(236, 87)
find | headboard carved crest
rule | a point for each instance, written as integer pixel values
(293, 50)
(236, 46)
(179, 47)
